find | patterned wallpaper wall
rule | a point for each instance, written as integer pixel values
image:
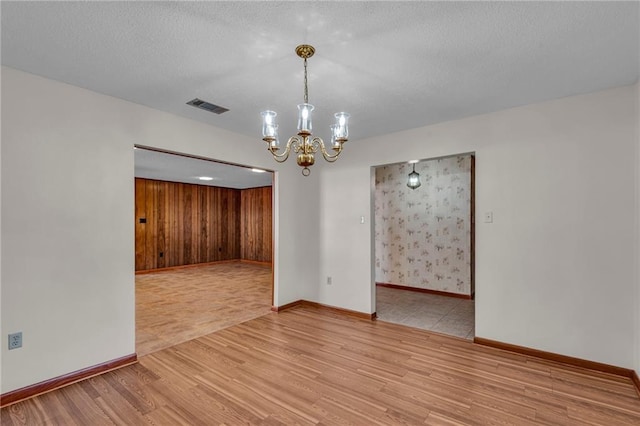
(423, 236)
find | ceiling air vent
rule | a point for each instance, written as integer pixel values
(199, 103)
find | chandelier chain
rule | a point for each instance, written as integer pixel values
(306, 90)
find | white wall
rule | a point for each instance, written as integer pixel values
(555, 271)
(637, 233)
(67, 176)
(1, 330)
(345, 196)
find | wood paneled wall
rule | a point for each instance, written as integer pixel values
(256, 223)
(185, 224)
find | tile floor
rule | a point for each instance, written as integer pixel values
(442, 314)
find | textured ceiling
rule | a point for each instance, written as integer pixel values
(392, 65)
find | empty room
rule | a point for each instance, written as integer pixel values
(203, 236)
(487, 153)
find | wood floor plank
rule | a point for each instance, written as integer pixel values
(58, 413)
(311, 366)
(26, 413)
(175, 306)
(337, 412)
(81, 406)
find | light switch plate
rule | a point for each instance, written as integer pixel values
(488, 217)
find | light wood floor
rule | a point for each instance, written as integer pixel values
(314, 367)
(178, 305)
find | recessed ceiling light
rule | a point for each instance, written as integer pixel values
(258, 170)
(205, 178)
(413, 161)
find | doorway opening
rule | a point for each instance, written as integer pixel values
(424, 244)
(204, 246)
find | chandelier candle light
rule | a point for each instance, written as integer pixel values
(305, 144)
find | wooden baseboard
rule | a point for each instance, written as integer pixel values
(64, 380)
(426, 290)
(256, 262)
(564, 359)
(192, 265)
(195, 265)
(636, 380)
(343, 311)
(287, 306)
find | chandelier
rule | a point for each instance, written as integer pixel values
(413, 181)
(305, 144)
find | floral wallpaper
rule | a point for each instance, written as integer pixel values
(423, 236)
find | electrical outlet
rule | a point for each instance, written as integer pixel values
(329, 281)
(15, 340)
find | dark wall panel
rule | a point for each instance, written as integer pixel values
(185, 224)
(256, 224)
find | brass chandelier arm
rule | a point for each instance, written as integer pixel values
(330, 158)
(293, 141)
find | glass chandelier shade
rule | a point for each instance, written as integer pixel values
(269, 126)
(414, 178)
(305, 144)
(304, 118)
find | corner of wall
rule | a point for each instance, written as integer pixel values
(637, 230)
(296, 256)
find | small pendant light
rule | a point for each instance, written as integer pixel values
(414, 178)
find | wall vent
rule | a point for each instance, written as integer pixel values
(199, 103)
